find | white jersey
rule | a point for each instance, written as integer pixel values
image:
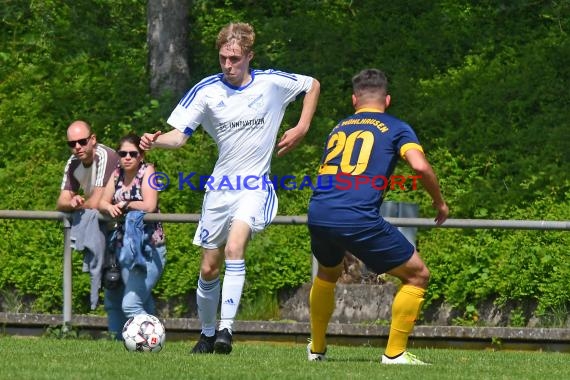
(243, 121)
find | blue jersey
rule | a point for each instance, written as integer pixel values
(358, 162)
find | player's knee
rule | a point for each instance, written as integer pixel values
(426, 274)
(234, 251)
(417, 276)
(422, 277)
(209, 271)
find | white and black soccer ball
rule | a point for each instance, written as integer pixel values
(144, 333)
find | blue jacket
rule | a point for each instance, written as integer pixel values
(132, 251)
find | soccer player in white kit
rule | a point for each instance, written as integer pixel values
(242, 110)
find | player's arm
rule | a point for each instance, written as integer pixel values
(170, 140)
(421, 166)
(309, 106)
(149, 195)
(292, 137)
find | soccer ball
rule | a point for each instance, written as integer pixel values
(144, 333)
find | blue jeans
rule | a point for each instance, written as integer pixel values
(134, 296)
(140, 281)
(116, 318)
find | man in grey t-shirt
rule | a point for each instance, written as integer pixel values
(85, 176)
(87, 170)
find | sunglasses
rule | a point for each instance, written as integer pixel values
(132, 153)
(81, 142)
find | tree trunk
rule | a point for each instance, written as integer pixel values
(167, 37)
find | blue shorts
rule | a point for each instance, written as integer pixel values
(381, 246)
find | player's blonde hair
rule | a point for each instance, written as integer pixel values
(240, 32)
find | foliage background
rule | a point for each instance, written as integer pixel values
(483, 83)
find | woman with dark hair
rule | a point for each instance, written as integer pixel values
(139, 246)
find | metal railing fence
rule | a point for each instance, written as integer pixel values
(283, 220)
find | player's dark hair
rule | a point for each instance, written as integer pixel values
(370, 80)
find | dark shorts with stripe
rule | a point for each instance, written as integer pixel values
(380, 246)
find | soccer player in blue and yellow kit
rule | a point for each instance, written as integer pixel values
(360, 155)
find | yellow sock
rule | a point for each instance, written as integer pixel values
(405, 311)
(321, 306)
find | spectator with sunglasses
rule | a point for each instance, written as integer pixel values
(139, 246)
(87, 170)
(85, 176)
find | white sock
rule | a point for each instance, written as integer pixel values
(207, 299)
(232, 288)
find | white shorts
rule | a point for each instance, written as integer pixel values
(257, 208)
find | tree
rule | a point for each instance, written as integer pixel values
(167, 22)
